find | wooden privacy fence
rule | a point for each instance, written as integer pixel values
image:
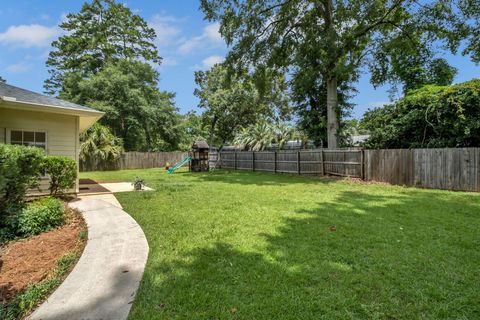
(136, 160)
(315, 162)
(449, 168)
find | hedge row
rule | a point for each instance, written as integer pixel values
(20, 170)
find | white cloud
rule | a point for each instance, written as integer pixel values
(209, 62)
(169, 62)
(212, 32)
(44, 17)
(209, 36)
(33, 35)
(18, 67)
(189, 45)
(165, 29)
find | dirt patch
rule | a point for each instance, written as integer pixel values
(31, 260)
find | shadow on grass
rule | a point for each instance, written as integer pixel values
(259, 178)
(406, 256)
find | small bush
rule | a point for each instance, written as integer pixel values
(62, 172)
(20, 168)
(38, 216)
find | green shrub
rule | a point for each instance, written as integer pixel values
(20, 168)
(38, 216)
(62, 172)
(432, 117)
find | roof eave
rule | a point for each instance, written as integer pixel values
(87, 117)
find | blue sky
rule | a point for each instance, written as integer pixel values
(185, 40)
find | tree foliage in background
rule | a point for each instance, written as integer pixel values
(99, 144)
(334, 38)
(259, 136)
(433, 116)
(233, 102)
(192, 128)
(103, 31)
(311, 107)
(135, 109)
(2, 80)
(461, 25)
(407, 61)
(106, 60)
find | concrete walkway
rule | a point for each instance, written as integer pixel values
(105, 280)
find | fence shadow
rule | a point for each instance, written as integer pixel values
(399, 257)
(259, 178)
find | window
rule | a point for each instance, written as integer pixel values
(29, 138)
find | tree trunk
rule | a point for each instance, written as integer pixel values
(332, 117)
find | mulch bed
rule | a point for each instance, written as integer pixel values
(31, 260)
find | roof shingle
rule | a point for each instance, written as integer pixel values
(22, 95)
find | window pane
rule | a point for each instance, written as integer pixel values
(39, 136)
(28, 136)
(16, 136)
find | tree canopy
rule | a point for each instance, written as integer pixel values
(102, 31)
(433, 117)
(333, 39)
(135, 109)
(233, 102)
(106, 59)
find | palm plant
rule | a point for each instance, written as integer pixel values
(283, 133)
(256, 137)
(259, 136)
(99, 143)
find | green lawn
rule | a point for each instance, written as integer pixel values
(242, 245)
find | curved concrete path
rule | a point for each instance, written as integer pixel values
(105, 280)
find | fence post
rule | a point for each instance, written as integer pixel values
(235, 161)
(298, 162)
(362, 164)
(275, 162)
(323, 162)
(253, 160)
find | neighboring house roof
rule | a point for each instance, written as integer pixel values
(360, 138)
(15, 97)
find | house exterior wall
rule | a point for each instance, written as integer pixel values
(62, 132)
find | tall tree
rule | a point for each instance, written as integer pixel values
(135, 109)
(102, 31)
(233, 102)
(341, 35)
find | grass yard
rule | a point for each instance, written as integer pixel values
(243, 245)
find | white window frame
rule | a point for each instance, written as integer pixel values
(9, 135)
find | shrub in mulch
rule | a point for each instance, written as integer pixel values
(31, 268)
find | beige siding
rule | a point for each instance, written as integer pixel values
(62, 130)
(2, 132)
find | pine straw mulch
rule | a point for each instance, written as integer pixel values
(28, 261)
